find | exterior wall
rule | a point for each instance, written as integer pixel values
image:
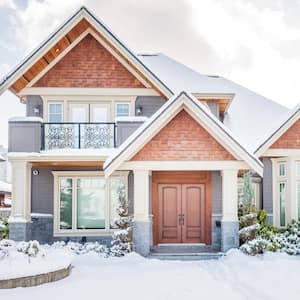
(125, 129)
(89, 64)
(183, 139)
(290, 139)
(268, 188)
(149, 104)
(34, 102)
(24, 136)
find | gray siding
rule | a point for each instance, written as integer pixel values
(214, 108)
(267, 186)
(149, 104)
(125, 129)
(33, 102)
(216, 192)
(24, 136)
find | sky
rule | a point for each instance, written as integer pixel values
(255, 43)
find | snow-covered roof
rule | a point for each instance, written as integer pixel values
(5, 187)
(248, 116)
(1, 158)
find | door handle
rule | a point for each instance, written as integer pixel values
(181, 219)
(182, 215)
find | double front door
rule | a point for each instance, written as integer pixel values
(181, 213)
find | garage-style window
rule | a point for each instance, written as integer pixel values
(86, 202)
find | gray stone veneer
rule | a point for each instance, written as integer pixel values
(142, 237)
(216, 231)
(229, 235)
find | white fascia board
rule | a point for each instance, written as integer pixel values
(282, 153)
(283, 127)
(144, 134)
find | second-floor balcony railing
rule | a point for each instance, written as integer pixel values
(78, 135)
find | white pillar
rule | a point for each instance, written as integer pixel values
(141, 195)
(21, 184)
(229, 195)
(142, 224)
(229, 223)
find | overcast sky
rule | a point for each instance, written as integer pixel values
(253, 42)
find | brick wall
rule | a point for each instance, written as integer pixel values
(183, 139)
(89, 64)
(290, 139)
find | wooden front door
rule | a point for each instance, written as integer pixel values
(181, 213)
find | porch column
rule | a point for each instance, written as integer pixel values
(19, 220)
(142, 225)
(229, 223)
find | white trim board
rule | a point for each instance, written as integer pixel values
(167, 112)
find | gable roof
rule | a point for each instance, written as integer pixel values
(247, 114)
(145, 132)
(289, 119)
(82, 13)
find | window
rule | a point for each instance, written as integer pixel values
(282, 169)
(87, 203)
(282, 202)
(55, 112)
(298, 198)
(122, 110)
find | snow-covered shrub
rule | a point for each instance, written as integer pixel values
(78, 248)
(249, 233)
(30, 248)
(274, 239)
(3, 228)
(121, 243)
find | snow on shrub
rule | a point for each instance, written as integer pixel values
(30, 248)
(3, 229)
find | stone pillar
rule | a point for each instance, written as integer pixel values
(142, 225)
(229, 223)
(19, 221)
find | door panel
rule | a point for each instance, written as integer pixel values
(78, 112)
(193, 209)
(99, 113)
(169, 196)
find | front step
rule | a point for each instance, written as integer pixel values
(184, 252)
(186, 256)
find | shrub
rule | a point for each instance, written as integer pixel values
(3, 229)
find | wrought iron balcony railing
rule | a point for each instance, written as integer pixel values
(78, 135)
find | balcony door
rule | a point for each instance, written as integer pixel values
(89, 113)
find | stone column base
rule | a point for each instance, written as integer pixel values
(142, 237)
(20, 231)
(229, 235)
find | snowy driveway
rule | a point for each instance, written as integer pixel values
(274, 276)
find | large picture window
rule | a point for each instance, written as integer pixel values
(86, 203)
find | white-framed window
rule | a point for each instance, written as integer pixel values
(297, 168)
(55, 112)
(86, 202)
(282, 203)
(282, 169)
(122, 109)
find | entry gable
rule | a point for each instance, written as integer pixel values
(285, 136)
(183, 139)
(89, 64)
(205, 123)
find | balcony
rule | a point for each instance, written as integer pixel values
(78, 135)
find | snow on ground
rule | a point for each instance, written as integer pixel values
(235, 277)
(15, 264)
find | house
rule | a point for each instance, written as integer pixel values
(5, 187)
(99, 116)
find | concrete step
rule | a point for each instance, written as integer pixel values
(186, 256)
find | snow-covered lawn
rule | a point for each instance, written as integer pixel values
(237, 276)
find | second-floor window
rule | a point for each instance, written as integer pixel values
(55, 112)
(122, 109)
